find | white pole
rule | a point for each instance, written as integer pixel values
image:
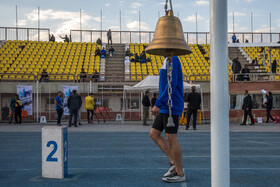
(202, 105)
(37, 101)
(220, 169)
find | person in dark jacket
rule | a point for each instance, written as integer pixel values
(146, 104)
(18, 110)
(13, 108)
(274, 66)
(236, 67)
(154, 99)
(247, 107)
(245, 72)
(194, 100)
(74, 103)
(269, 104)
(255, 61)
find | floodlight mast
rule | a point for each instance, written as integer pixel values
(220, 168)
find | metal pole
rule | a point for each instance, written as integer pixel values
(16, 24)
(220, 169)
(252, 27)
(38, 23)
(139, 27)
(101, 25)
(81, 25)
(196, 27)
(90, 86)
(120, 26)
(37, 101)
(233, 22)
(270, 26)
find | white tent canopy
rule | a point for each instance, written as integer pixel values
(151, 83)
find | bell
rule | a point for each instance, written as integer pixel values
(168, 38)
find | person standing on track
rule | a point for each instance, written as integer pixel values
(146, 105)
(269, 104)
(59, 107)
(170, 146)
(194, 100)
(74, 103)
(89, 105)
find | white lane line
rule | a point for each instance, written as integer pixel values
(34, 169)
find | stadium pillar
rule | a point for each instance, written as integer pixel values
(220, 169)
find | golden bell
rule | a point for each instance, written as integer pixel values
(168, 38)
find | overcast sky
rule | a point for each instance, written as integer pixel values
(62, 16)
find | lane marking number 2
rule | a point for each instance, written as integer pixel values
(50, 157)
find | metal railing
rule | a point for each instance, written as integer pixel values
(29, 34)
(147, 36)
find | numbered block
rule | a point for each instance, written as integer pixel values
(54, 152)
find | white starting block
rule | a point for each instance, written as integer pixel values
(43, 119)
(54, 152)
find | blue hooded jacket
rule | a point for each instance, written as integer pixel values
(177, 88)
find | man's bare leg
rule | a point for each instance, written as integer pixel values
(176, 152)
(162, 143)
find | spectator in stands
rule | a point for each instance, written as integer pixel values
(103, 53)
(149, 59)
(83, 75)
(247, 107)
(98, 41)
(44, 76)
(109, 36)
(66, 39)
(51, 38)
(143, 57)
(255, 61)
(246, 41)
(245, 72)
(97, 52)
(274, 66)
(127, 52)
(112, 51)
(233, 38)
(89, 106)
(59, 107)
(5, 112)
(194, 100)
(95, 76)
(18, 109)
(269, 105)
(136, 58)
(74, 103)
(236, 68)
(13, 108)
(146, 104)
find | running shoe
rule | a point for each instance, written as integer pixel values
(171, 172)
(174, 179)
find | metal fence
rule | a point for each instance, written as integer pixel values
(147, 36)
(29, 34)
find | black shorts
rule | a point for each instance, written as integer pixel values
(161, 122)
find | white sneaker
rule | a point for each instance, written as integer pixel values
(174, 179)
(171, 172)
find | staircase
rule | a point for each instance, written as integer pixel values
(233, 52)
(114, 66)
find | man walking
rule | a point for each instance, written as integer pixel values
(146, 104)
(13, 108)
(247, 107)
(89, 105)
(269, 104)
(170, 146)
(194, 100)
(74, 103)
(59, 107)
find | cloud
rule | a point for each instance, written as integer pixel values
(249, 1)
(264, 28)
(201, 3)
(136, 5)
(107, 4)
(237, 14)
(98, 19)
(192, 18)
(22, 22)
(134, 25)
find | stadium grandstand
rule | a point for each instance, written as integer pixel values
(74, 63)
